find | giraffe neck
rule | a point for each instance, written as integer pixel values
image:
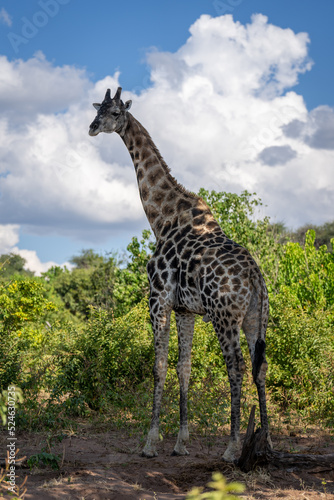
(165, 202)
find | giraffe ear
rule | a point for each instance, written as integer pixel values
(127, 105)
(96, 106)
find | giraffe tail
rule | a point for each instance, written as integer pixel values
(259, 358)
(259, 361)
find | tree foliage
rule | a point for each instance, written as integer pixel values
(87, 259)
(23, 308)
(301, 330)
(73, 287)
(131, 283)
(324, 234)
(12, 264)
(107, 282)
(236, 214)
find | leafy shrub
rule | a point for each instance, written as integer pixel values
(23, 306)
(44, 459)
(309, 273)
(13, 264)
(112, 359)
(220, 490)
(109, 354)
(301, 357)
(131, 283)
(301, 331)
(74, 287)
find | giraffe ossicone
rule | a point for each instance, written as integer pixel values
(196, 269)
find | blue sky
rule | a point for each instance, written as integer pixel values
(102, 36)
(75, 48)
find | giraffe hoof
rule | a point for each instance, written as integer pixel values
(234, 461)
(149, 453)
(180, 453)
(232, 450)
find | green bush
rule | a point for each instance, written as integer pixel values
(131, 283)
(108, 355)
(23, 310)
(309, 273)
(300, 349)
(113, 360)
(301, 331)
(220, 490)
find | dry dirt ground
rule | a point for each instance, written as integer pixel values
(108, 466)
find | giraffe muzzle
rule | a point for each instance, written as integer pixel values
(94, 128)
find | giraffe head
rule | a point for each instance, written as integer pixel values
(111, 114)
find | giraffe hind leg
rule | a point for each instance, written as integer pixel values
(254, 326)
(229, 341)
(259, 371)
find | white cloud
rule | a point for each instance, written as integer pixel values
(220, 110)
(53, 175)
(9, 238)
(5, 18)
(33, 263)
(35, 86)
(258, 58)
(317, 131)
(220, 105)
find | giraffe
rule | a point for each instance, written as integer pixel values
(195, 269)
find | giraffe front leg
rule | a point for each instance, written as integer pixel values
(185, 327)
(160, 323)
(150, 448)
(159, 371)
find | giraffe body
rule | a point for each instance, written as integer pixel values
(195, 269)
